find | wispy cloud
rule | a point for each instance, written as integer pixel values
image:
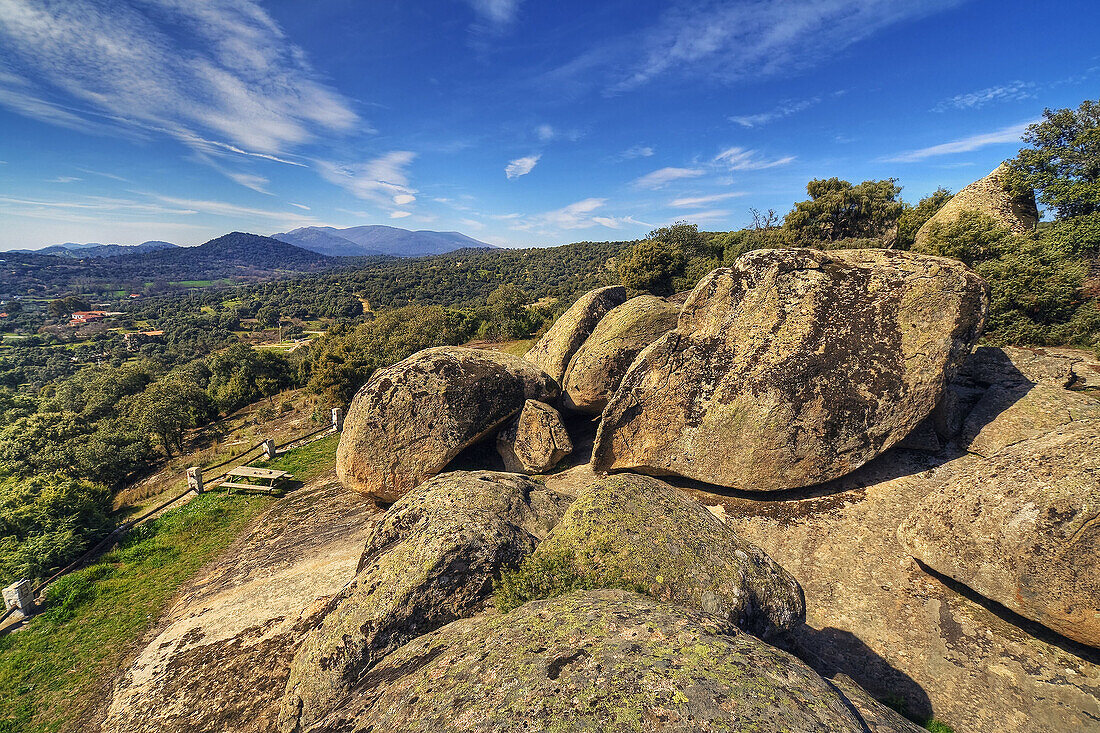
(1013, 91)
(383, 180)
(638, 151)
(545, 133)
(728, 41)
(112, 176)
(786, 109)
(498, 13)
(583, 214)
(521, 166)
(399, 214)
(663, 176)
(249, 180)
(64, 179)
(691, 202)
(219, 76)
(1009, 134)
(699, 217)
(740, 159)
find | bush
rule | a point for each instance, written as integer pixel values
(973, 237)
(47, 521)
(549, 575)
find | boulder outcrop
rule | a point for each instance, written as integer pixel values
(793, 367)
(1022, 528)
(535, 441)
(430, 560)
(411, 419)
(556, 347)
(1016, 212)
(605, 660)
(1011, 413)
(220, 659)
(601, 361)
(641, 532)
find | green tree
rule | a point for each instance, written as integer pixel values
(654, 262)
(64, 307)
(241, 375)
(914, 217)
(838, 210)
(170, 407)
(1062, 163)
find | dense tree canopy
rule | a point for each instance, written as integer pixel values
(838, 210)
(1062, 163)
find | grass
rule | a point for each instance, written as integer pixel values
(307, 462)
(54, 671)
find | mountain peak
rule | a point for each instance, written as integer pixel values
(377, 239)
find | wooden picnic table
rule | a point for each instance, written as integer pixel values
(271, 476)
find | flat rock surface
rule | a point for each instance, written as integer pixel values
(793, 367)
(597, 661)
(872, 613)
(411, 419)
(1008, 415)
(219, 660)
(1022, 528)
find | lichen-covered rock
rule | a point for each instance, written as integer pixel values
(987, 196)
(430, 560)
(220, 658)
(412, 418)
(535, 440)
(639, 532)
(793, 367)
(1021, 528)
(604, 660)
(554, 350)
(1010, 414)
(601, 361)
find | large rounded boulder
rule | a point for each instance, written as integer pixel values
(430, 560)
(794, 366)
(600, 363)
(990, 196)
(553, 351)
(640, 533)
(411, 419)
(605, 660)
(1021, 528)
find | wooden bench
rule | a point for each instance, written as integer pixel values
(272, 477)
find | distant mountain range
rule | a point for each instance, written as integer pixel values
(96, 250)
(365, 241)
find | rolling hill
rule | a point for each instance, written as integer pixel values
(95, 250)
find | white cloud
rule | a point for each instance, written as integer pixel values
(303, 207)
(578, 215)
(249, 180)
(1013, 91)
(399, 214)
(193, 70)
(1009, 134)
(638, 151)
(64, 179)
(663, 176)
(498, 13)
(708, 215)
(729, 41)
(740, 159)
(785, 109)
(521, 166)
(403, 198)
(226, 209)
(700, 201)
(545, 133)
(382, 179)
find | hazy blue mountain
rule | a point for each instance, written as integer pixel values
(377, 239)
(76, 250)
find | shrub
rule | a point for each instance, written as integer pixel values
(548, 575)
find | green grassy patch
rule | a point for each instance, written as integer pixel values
(309, 461)
(518, 348)
(549, 575)
(54, 671)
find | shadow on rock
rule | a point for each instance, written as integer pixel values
(832, 652)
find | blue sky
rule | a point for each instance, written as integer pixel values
(519, 122)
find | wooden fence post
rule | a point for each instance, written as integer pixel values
(194, 479)
(338, 419)
(269, 449)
